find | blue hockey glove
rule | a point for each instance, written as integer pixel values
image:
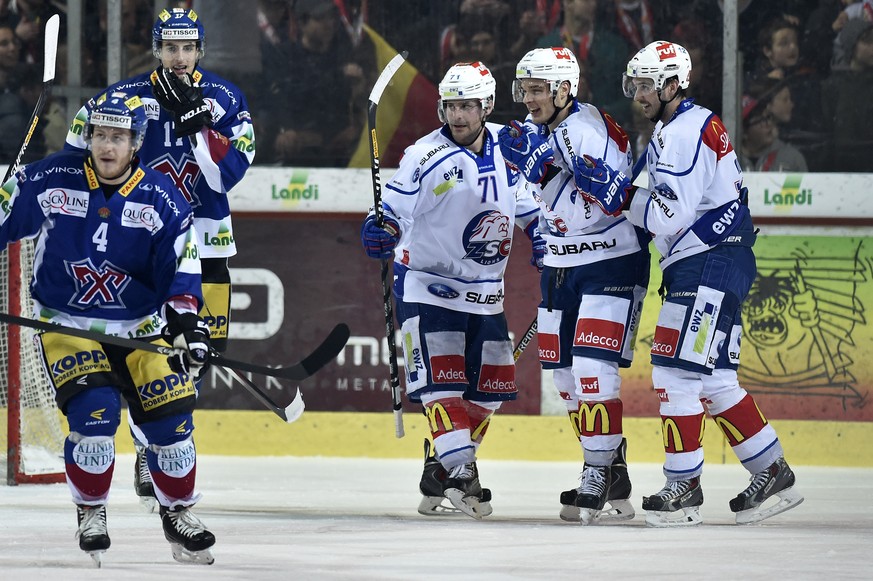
(599, 183)
(525, 151)
(380, 242)
(189, 336)
(538, 245)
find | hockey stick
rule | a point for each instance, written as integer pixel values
(48, 77)
(323, 354)
(289, 413)
(526, 338)
(375, 95)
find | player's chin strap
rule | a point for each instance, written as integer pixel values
(570, 100)
(665, 103)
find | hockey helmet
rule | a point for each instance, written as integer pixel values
(467, 81)
(659, 61)
(554, 65)
(178, 24)
(118, 110)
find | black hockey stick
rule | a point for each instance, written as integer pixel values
(375, 95)
(48, 77)
(525, 340)
(323, 354)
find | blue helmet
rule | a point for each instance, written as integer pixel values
(178, 24)
(118, 110)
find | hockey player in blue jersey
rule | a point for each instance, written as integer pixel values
(117, 253)
(200, 135)
(697, 211)
(595, 275)
(449, 215)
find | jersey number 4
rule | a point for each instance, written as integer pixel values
(100, 238)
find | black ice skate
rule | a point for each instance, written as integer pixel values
(189, 539)
(463, 490)
(92, 534)
(776, 480)
(432, 486)
(142, 481)
(618, 498)
(675, 505)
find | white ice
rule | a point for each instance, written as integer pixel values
(326, 518)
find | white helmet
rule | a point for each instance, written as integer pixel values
(467, 81)
(555, 65)
(659, 61)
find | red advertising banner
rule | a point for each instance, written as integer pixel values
(297, 275)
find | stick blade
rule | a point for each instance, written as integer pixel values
(388, 72)
(294, 410)
(52, 26)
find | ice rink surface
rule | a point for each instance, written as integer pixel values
(325, 518)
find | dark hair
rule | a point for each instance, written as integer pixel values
(765, 35)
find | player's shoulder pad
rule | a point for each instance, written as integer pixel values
(429, 150)
(715, 136)
(64, 164)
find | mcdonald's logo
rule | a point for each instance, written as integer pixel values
(436, 416)
(574, 419)
(480, 429)
(672, 433)
(589, 414)
(731, 432)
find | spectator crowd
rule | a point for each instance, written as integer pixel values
(308, 65)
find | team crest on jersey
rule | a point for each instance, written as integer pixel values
(487, 238)
(185, 174)
(666, 192)
(97, 286)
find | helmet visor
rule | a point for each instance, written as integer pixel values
(633, 85)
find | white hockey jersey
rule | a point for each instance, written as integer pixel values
(456, 211)
(577, 231)
(694, 183)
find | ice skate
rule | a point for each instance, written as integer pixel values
(618, 505)
(188, 537)
(92, 534)
(776, 480)
(142, 481)
(432, 484)
(675, 505)
(591, 494)
(463, 490)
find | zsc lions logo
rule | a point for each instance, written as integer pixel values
(443, 291)
(486, 238)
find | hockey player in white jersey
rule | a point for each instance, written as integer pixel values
(696, 209)
(201, 136)
(595, 275)
(117, 252)
(449, 215)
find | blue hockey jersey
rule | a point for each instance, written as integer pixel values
(204, 167)
(105, 264)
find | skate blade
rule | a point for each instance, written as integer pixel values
(469, 505)
(788, 499)
(97, 556)
(617, 510)
(588, 516)
(686, 517)
(183, 555)
(148, 504)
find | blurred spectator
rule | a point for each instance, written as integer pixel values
(473, 15)
(51, 131)
(762, 150)
(854, 10)
(13, 111)
(533, 20)
(274, 22)
(706, 69)
(635, 21)
(316, 109)
(778, 50)
(28, 18)
(848, 110)
(604, 53)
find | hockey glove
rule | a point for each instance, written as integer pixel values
(380, 242)
(179, 96)
(525, 151)
(538, 245)
(189, 336)
(599, 183)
